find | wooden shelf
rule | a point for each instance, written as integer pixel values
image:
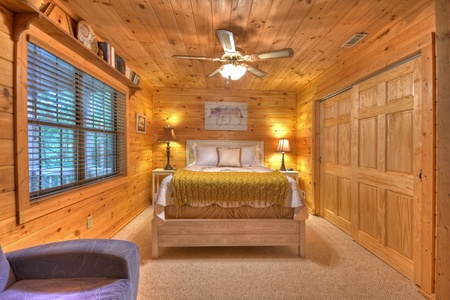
(26, 15)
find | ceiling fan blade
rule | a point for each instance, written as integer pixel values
(227, 40)
(197, 57)
(280, 53)
(255, 71)
(214, 73)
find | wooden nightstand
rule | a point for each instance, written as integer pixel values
(157, 175)
(293, 174)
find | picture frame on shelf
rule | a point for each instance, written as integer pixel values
(141, 123)
(58, 16)
(86, 35)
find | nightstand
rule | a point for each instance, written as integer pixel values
(157, 175)
(293, 174)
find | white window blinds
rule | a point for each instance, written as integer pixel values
(76, 127)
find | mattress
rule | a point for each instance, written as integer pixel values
(294, 207)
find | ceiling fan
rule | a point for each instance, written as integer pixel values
(236, 60)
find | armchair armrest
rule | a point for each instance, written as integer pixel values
(78, 258)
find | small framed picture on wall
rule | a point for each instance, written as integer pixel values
(141, 123)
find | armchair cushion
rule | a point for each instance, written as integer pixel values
(76, 269)
(80, 288)
(7, 277)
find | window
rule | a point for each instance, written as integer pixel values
(76, 126)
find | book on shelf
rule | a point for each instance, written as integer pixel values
(108, 53)
(104, 47)
(136, 79)
(119, 64)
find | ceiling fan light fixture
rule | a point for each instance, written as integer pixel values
(233, 72)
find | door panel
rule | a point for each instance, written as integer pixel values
(367, 149)
(368, 221)
(399, 142)
(399, 225)
(336, 161)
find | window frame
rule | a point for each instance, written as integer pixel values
(29, 210)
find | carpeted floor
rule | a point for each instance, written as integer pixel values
(335, 267)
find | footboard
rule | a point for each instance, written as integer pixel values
(228, 232)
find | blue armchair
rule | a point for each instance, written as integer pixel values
(76, 269)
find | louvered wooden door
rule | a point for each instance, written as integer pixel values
(371, 156)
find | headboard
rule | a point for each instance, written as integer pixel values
(221, 143)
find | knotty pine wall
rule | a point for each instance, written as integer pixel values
(111, 205)
(399, 40)
(271, 115)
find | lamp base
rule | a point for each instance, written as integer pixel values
(282, 168)
(168, 167)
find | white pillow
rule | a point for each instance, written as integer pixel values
(205, 156)
(250, 156)
(229, 157)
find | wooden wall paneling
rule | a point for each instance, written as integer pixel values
(270, 116)
(306, 153)
(6, 46)
(6, 24)
(443, 144)
(428, 185)
(6, 99)
(7, 172)
(32, 231)
(7, 152)
(7, 205)
(69, 222)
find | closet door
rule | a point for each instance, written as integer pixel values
(370, 141)
(386, 164)
(335, 159)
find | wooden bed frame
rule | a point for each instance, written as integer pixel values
(227, 232)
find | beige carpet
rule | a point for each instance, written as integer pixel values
(335, 267)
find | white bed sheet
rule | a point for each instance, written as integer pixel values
(293, 198)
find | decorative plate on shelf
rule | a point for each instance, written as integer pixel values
(86, 35)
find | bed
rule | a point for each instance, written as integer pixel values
(246, 219)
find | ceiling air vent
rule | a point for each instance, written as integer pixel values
(353, 40)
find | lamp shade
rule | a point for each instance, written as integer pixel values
(283, 146)
(232, 71)
(168, 135)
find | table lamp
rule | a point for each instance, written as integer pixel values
(283, 146)
(168, 137)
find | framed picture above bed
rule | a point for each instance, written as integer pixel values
(226, 116)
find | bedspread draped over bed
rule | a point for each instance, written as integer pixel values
(220, 187)
(166, 207)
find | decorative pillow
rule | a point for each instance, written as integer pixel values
(250, 156)
(7, 277)
(205, 156)
(229, 157)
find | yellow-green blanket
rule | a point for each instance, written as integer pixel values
(219, 187)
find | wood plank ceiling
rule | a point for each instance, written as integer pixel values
(147, 33)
